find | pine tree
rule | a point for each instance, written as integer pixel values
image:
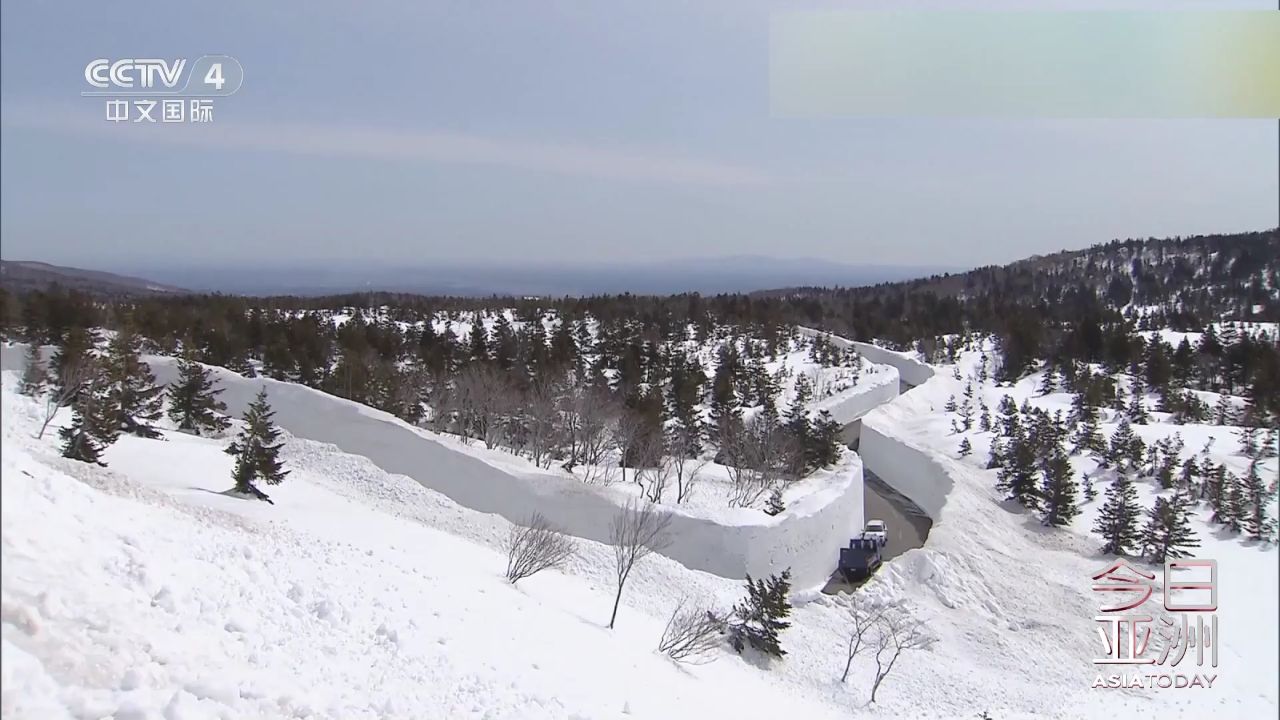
(775, 505)
(35, 376)
(1257, 521)
(76, 351)
(1118, 519)
(193, 402)
(1058, 490)
(1017, 476)
(94, 424)
(825, 445)
(256, 450)
(965, 447)
(759, 618)
(1090, 492)
(134, 393)
(1168, 532)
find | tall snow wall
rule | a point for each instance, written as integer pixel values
(912, 371)
(805, 537)
(911, 471)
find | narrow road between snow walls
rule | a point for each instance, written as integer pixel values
(907, 523)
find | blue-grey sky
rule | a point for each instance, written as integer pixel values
(411, 131)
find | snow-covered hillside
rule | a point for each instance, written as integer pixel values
(139, 591)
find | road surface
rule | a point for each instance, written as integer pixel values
(908, 525)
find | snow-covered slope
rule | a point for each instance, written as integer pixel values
(1027, 589)
(139, 591)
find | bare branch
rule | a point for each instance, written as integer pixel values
(897, 632)
(865, 618)
(638, 530)
(534, 548)
(76, 372)
(692, 634)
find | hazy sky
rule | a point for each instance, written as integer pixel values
(415, 130)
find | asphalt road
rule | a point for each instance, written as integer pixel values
(908, 526)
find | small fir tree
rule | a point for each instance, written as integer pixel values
(965, 447)
(35, 375)
(94, 420)
(1119, 517)
(135, 395)
(758, 620)
(193, 401)
(775, 505)
(1257, 521)
(256, 450)
(1168, 532)
(1058, 491)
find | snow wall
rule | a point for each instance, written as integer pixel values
(847, 407)
(912, 471)
(920, 474)
(912, 371)
(806, 536)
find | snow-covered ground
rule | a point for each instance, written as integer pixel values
(139, 591)
(1033, 584)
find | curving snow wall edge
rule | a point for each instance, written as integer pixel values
(806, 536)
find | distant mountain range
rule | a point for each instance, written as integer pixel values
(21, 276)
(541, 278)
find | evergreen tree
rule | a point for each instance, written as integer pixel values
(1257, 521)
(1090, 492)
(1118, 519)
(256, 450)
(1088, 437)
(965, 447)
(94, 424)
(134, 393)
(75, 351)
(1017, 476)
(1168, 532)
(35, 376)
(775, 504)
(1233, 503)
(825, 443)
(758, 619)
(193, 401)
(1058, 490)
(479, 338)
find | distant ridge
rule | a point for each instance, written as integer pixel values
(19, 276)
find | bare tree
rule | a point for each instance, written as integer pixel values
(693, 632)
(657, 473)
(540, 421)
(638, 529)
(865, 619)
(687, 478)
(591, 423)
(897, 633)
(480, 403)
(536, 547)
(76, 372)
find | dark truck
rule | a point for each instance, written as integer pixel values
(860, 559)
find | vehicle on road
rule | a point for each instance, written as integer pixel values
(860, 559)
(878, 531)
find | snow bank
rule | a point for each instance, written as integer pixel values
(805, 537)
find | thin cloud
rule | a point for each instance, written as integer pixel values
(425, 145)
